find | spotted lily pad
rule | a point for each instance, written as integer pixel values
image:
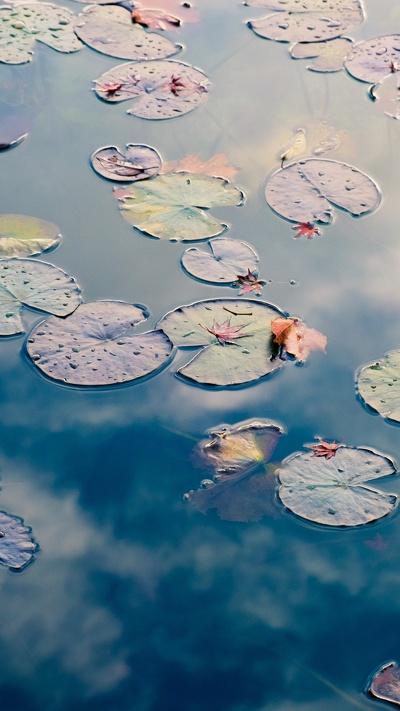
(229, 259)
(172, 206)
(374, 59)
(137, 163)
(24, 23)
(305, 191)
(17, 546)
(379, 385)
(387, 94)
(333, 491)
(234, 336)
(310, 21)
(24, 236)
(109, 30)
(42, 286)
(329, 56)
(162, 89)
(385, 683)
(96, 346)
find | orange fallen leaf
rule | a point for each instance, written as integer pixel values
(296, 338)
(216, 167)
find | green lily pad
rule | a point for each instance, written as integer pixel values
(379, 385)
(24, 236)
(22, 24)
(332, 491)
(242, 351)
(42, 286)
(172, 206)
(17, 546)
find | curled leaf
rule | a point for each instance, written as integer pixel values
(323, 449)
(296, 338)
(17, 547)
(137, 163)
(24, 236)
(385, 683)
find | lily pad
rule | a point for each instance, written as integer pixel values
(42, 286)
(17, 546)
(385, 684)
(96, 346)
(137, 163)
(22, 24)
(313, 21)
(172, 206)
(329, 56)
(379, 385)
(305, 191)
(109, 30)
(163, 89)
(24, 236)
(13, 130)
(374, 59)
(387, 94)
(332, 491)
(234, 336)
(229, 259)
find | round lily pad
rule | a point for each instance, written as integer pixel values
(333, 491)
(17, 546)
(229, 259)
(137, 163)
(42, 286)
(374, 59)
(328, 56)
(385, 683)
(24, 236)
(96, 346)
(379, 385)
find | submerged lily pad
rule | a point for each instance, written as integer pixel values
(379, 385)
(137, 163)
(305, 191)
(109, 30)
(17, 546)
(387, 94)
(96, 346)
(234, 336)
(374, 59)
(332, 491)
(172, 206)
(22, 24)
(329, 56)
(24, 236)
(42, 286)
(163, 89)
(385, 684)
(229, 259)
(13, 130)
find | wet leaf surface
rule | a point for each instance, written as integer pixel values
(229, 258)
(385, 684)
(173, 206)
(13, 130)
(297, 339)
(387, 95)
(137, 163)
(374, 59)
(24, 236)
(155, 19)
(217, 166)
(329, 56)
(96, 346)
(17, 546)
(42, 286)
(334, 491)
(379, 385)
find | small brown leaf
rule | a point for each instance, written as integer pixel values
(216, 167)
(323, 449)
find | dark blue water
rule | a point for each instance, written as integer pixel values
(136, 601)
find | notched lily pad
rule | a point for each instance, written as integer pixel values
(96, 346)
(374, 59)
(385, 683)
(229, 259)
(137, 163)
(17, 547)
(329, 56)
(24, 236)
(305, 191)
(109, 30)
(379, 385)
(387, 95)
(162, 89)
(333, 491)
(173, 206)
(42, 286)
(22, 24)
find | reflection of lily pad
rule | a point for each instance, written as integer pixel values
(27, 282)
(17, 546)
(328, 56)
(24, 236)
(137, 163)
(305, 191)
(25, 23)
(243, 350)
(172, 206)
(96, 346)
(229, 258)
(385, 684)
(379, 385)
(374, 59)
(333, 491)
(161, 89)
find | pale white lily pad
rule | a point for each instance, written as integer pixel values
(374, 59)
(109, 30)
(96, 346)
(379, 385)
(24, 236)
(334, 491)
(22, 24)
(385, 683)
(161, 89)
(229, 259)
(42, 286)
(17, 546)
(172, 206)
(137, 163)
(329, 55)
(305, 191)
(387, 95)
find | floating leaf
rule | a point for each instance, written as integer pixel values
(27, 282)
(323, 449)
(109, 30)
(385, 684)
(374, 59)
(173, 206)
(24, 236)
(13, 130)
(24, 23)
(17, 546)
(387, 94)
(238, 362)
(314, 21)
(137, 163)
(95, 346)
(162, 89)
(296, 146)
(229, 258)
(217, 166)
(379, 385)
(180, 8)
(250, 282)
(307, 229)
(329, 56)
(155, 19)
(296, 338)
(333, 491)
(304, 191)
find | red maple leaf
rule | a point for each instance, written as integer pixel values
(225, 333)
(175, 85)
(323, 449)
(307, 229)
(250, 282)
(110, 88)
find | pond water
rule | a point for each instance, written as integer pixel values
(135, 599)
